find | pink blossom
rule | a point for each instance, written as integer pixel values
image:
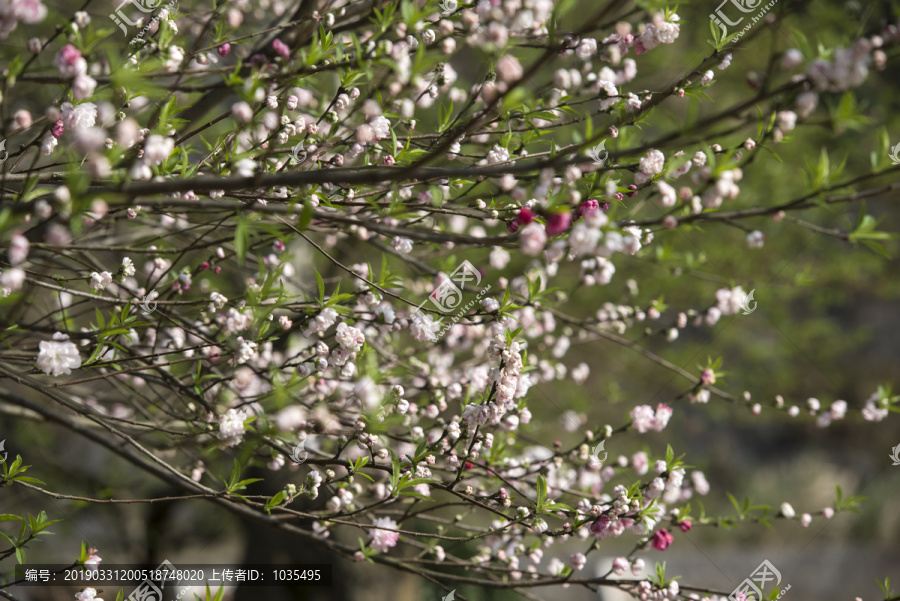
(663, 413)
(533, 238)
(589, 207)
(685, 525)
(93, 559)
(77, 117)
(662, 539)
(69, 61)
(640, 462)
(525, 216)
(224, 49)
(18, 249)
(382, 540)
(642, 418)
(599, 525)
(509, 69)
(557, 223)
(281, 49)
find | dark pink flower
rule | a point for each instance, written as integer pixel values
(605, 205)
(600, 524)
(281, 48)
(512, 227)
(662, 539)
(224, 49)
(204, 266)
(589, 208)
(525, 216)
(557, 223)
(58, 129)
(685, 525)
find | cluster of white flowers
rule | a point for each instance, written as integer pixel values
(231, 426)
(58, 356)
(645, 419)
(498, 154)
(656, 33)
(403, 246)
(651, 592)
(88, 594)
(247, 349)
(313, 482)
(533, 238)
(350, 338)
(848, 69)
(127, 267)
(650, 165)
(730, 300)
(510, 385)
(99, 281)
(725, 187)
(876, 408)
(217, 301)
(381, 127)
(321, 322)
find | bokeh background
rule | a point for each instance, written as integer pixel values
(826, 326)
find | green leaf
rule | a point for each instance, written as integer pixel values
(395, 470)
(321, 284)
(306, 216)
(541, 490)
(241, 240)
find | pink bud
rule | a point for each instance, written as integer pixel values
(588, 208)
(601, 524)
(224, 49)
(281, 49)
(557, 223)
(525, 216)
